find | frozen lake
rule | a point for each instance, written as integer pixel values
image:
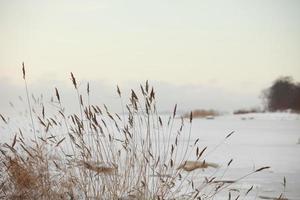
(268, 139)
(259, 140)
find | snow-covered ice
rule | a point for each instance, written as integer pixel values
(264, 139)
(261, 139)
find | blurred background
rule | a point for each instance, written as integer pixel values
(216, 55)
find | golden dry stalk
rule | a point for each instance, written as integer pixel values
(22, 177)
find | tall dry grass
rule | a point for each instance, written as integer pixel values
(97, 154)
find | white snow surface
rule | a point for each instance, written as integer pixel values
(259, 139)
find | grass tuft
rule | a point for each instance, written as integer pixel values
(98, 154)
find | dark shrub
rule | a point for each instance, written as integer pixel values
(282, 95)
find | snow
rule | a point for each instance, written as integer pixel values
(264, 139)
(259, 139)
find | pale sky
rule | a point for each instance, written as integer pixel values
(220, 53)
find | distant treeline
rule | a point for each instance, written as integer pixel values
(247, 111)
(284, 94)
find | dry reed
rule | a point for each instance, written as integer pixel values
(97, 154)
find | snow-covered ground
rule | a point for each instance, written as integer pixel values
(265, 139)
